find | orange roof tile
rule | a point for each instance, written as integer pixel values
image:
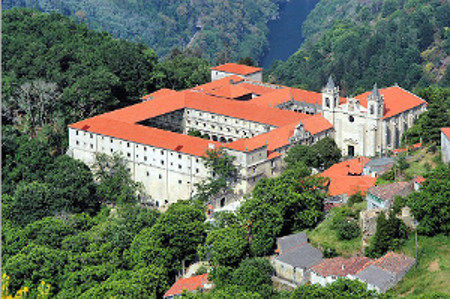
(419, 179)
(340, 266)
(145, 135)
(235, 68)
(255, 88)
(316, 124)
(446, 132)
(230, 91)
(394, 263)
(189, 284)
(345, 177)
(218, 83)
(159, 93)
(396, 100)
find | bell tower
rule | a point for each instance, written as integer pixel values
(375, 104)
(330, 100)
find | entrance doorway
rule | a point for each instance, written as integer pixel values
(351, 151)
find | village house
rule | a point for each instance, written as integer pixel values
(295, 258)
(346, 179)
(329, 270)
(384, 273)
(194, 284)
(383, 196)
(378, 166)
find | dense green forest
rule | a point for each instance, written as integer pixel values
(83, 232)
(222, 30)
(362, 42)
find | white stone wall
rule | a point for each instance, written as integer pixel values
(167, 176)
(224, 128)
(445, 148)
(323, 281)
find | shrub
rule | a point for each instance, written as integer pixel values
(348, 230)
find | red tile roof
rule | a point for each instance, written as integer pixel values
(340, 266)
(345, 177)
(256, 88)
(187, 284)
(419, 179)
(235, 68)
(396, 100)
(390, 191)
(394, 263)
(446, 132)
(230, 91)
(159, 93)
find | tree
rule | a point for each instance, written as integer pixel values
(390, 234)
(49, 231)
(223, 174)
(254, 275)
(341, 288)
(430, 203)
(174, 238)
(74, 186)
(226, 246)
(115, 184)
(264, 222)
(32, 201)
(322, 154)
(33, 105)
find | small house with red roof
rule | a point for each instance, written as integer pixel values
(384, 273)
(329, 270)
(199, 283)
(445, 144)
(382, 197)
(345, 179)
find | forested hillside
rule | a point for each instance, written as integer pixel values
(224, 30)
(363, 42)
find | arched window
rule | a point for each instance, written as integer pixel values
(372, 109)
(327, 102)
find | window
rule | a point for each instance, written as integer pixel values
(171, 154)
(327, 102)
(111, 150)
(160, 176)
(111, 140)
(145, 148)
(92, 136)
(92, 146)
(196, 170)
(148, 173)
(162, 162)
(128, 155)
(77, 142)
(212, 116)
(180, 182)
(179, 166)
(196, 160)
(128, 144)
(145, 158)
(351, 119)
(76, 132)
(162, 152)
(179, 156)
(372, 110)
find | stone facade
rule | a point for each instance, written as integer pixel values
(365, 130)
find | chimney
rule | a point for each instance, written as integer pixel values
(231, 81)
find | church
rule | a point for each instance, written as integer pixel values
(253, 121)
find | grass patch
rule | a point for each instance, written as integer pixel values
(433, 268)
(421, 162)
(325, 235)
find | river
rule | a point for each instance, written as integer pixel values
(285, 36)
